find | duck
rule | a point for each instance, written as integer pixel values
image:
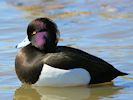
(41, 62)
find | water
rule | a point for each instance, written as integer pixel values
(103, 28)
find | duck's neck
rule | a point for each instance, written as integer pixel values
(49, 49)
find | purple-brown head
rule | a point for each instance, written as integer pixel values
(43, 34)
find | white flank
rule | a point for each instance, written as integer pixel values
(23, 43)
(55, 77)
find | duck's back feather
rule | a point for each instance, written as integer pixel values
(70, 58)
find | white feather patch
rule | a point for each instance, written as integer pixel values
(55, 77)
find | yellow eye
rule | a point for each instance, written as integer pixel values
(34, 33)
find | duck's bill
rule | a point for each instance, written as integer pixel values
(23, 43)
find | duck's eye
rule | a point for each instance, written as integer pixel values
(34, 33)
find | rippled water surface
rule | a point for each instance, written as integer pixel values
(101, 27)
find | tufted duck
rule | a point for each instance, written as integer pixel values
(42, 63)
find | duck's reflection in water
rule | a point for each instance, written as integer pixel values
(67, 93)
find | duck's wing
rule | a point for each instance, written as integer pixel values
(70, 58)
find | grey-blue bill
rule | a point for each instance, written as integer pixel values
(23, 43)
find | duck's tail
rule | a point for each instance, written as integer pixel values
(122, 73)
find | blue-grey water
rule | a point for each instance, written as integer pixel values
(103, 28)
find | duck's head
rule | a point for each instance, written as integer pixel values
(43, 34)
